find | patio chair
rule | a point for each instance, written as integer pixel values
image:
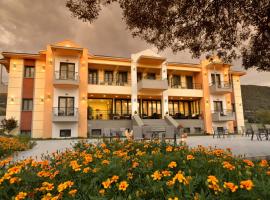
(258, 132)
(219, 131)
(147, 132)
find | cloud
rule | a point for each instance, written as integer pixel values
(28, 25)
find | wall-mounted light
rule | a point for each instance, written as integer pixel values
(12, 99)
(43, 68)
(225, 74)
(50, 61)
(48, 96)
(228, 102)
(83, 98)
(207, 101)
(41, 99)
(134, 99)
(14, 65)
(205, 73)
(134, 68)
(240, 104)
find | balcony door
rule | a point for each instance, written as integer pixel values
(122, 78)
(215, 78)
(108, 78)
(93, 76)
(67, 71)
(66, 106)
(218, 106)
(176, 81)
(189, 80)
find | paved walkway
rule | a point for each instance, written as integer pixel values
(238, 144)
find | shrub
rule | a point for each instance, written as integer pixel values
(9, 124)
(133, 170)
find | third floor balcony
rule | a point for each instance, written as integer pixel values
(148, 83)
(220, 87)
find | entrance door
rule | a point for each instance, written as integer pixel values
(189, 82)
(151, 109)
(67, 71)
(218, 106)
(66, 106)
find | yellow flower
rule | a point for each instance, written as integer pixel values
(106, 184)
(231, 186)
(228, 165)
(14, 180)
(180, 177)
(249, 163)
(190, 157)
(166, 173)
(21, 195)
(213, 184)
(123, 185)
(65, 185)
(114, 178)
(105, 162)
(72, 192)
(174, 198)
(86, 170)
(172, 164)
(247, 184)
(87, 159)
(102, 191)
(157, 175)
(170, 183)
(130, 175)
(48, 196)
(75, 166)
(169, 148)
(135, 164)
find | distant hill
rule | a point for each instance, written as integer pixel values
(255, 98)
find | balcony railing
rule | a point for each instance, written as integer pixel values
(220, 87)
(152, 84)
(181, 85)
(114, 81)
(109, 115)
(223, 115)
(66, 78)
(184, 116)
(65, 114)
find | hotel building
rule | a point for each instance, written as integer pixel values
(65, 91)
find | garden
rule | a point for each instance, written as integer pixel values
(135, 170)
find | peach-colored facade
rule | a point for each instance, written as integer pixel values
(74, 91)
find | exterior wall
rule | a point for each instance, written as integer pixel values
(109, 89)
(238, 102)
(58, 126)
(39, 98)
(14, 98)
(185, 92)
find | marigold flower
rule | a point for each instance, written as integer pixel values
(123, 185)
(86, 170)
(75, 166)
(166, 173)
(190, 157)
(156, 175)
(170, 183)
(169, 148)
(263, 163)
(14, 180)
(21, 195)
(230, 186)
(249, 162)
(228, 165)
(247, 184)
(135, 164)
(102, 191)
(105, 162)
(173, 198)
(114, 178)
(268, 173)
(72, 192)
(48, 196)
(180, 177)
(130, 175)
(172, 164)
(65, 185)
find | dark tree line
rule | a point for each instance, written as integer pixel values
(230, 28)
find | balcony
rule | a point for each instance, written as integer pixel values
(221, 116)
(185, 90)
(65, 114)
(221, 88)
(152, 85)
(66, 79)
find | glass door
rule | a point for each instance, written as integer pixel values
(218, 106)
(67, 71)
(93, 77)
(66, 106)
(151, 109)
(108, 78)
(216, 79)
(189, 80)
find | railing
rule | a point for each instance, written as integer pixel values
(224, 112)
(65, 111)
(108, 115)
(64, 75)
(183, 116)
(183, 85)
(153, 116)
(113, 81)
(222, 85)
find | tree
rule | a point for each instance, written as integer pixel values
(9, 124)
(230, 28)
(263, 116)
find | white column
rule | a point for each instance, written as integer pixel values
(165, 102)
(134, 90)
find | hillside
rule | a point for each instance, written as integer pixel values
(255, 98)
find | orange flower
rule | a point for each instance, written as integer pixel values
(114, 179)
(86, 170)
(135, 164)
(21, 195)
(172, 164)
(14, 180)
(130, 175)
(75, 166)
(231, 186)
(247, 184)
(268, 173)
(102, 191)
(180, 177)
(190, 157)
(169, 148)
(105, 162)
(72, 192)
(123, 185)
(249, 162)
(166, 173)
(106, 184)
(65, 185)
(263, 163)
(156, 175)
(228, 166)
(173, 198)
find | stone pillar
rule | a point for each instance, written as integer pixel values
(165, 103)
(134, 90)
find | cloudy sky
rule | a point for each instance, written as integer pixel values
(28, 25)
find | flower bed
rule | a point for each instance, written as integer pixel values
(9, 145)
(131, 170)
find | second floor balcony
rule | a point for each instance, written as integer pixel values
(109, 81)
(63, 79)
(221, 88)
(148, 83)
(65, 114)
(223, 115)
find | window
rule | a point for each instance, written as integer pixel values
(65, 132)
(93, 77)
(29, 72)
(67, 71)
(108, 78)
(218, 106)
(66, 106)
(122, 77)
(216, 80)
(27, 105)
